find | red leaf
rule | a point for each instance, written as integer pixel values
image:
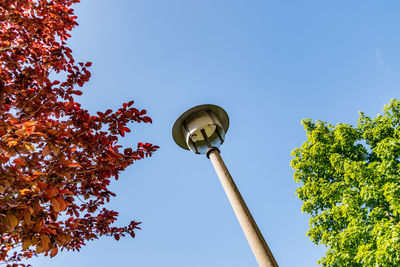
(66, 192)
(77, 92)
(53, 252)
(11, 220)
(41, 185)
(19, 161)
(74, 165)
(147, 119)
(88, 64)
(46, 151)
(56, 205)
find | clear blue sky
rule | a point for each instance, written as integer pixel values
(269, 64)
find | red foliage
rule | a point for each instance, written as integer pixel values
(55, 158)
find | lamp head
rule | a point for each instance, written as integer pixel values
(191, 128)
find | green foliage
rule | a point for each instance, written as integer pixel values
(350, 180)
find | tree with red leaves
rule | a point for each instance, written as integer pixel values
(56, 159)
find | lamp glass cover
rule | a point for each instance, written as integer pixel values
(199, 123)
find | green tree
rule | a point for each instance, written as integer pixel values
(350, 180)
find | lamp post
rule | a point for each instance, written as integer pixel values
(202, 130)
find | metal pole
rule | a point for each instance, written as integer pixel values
(256, 240)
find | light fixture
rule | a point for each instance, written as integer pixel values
(200, 128)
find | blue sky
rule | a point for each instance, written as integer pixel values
(269, 64)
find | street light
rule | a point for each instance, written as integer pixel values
(202, 130)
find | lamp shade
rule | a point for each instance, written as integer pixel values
(201, 127)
